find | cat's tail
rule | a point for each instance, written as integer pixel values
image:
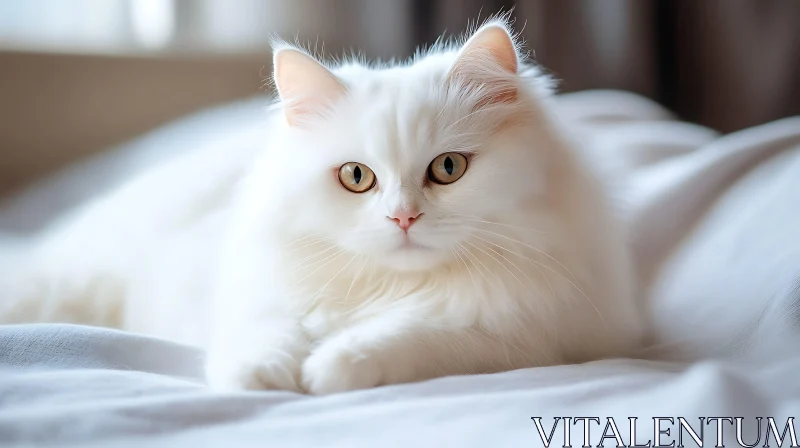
(38, 284)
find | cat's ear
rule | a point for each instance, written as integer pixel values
(487, 64)
(305, 86)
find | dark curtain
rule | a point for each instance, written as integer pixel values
(728, 64)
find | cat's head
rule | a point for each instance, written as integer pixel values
(403, 162)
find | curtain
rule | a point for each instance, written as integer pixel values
(728, 64)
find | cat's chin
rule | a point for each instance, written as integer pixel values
(413, 259)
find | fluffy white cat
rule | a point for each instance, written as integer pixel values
(402, 222)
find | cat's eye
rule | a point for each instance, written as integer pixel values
(356, 177)
(447, 168)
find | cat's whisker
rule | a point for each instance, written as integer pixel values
(572, 283)
(314, 260)
(313, 298)
(497, 276)
(301, 239)
(315, 254)
(506, 268)
(307, 244)
(483, 221)
(333, 258)
(457, 254)
(522, 313)
(355, 279)
(525, 315)
(535, 263)
(471, 114)
(439, 116)
(528, 246)
(469, 254)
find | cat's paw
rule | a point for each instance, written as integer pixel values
(333, 368)
(269, 370)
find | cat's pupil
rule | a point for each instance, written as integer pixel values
(448, 165)
(357, 174)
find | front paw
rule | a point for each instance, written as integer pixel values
(271, 369)
(332, 368)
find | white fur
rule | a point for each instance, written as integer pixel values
(297, 283)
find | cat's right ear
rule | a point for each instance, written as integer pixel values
(305, 86)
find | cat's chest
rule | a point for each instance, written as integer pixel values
(331, 296)
(445, 300)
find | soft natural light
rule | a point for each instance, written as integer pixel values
(57, 25)
(153, 21)
(121, 26)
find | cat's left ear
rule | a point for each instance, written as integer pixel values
(488, 64)
(306, 87)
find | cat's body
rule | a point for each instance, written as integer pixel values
(291, 281)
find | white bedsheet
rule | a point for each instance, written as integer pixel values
(716, 226)
(79, 386)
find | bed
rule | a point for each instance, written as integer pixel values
(715, 224)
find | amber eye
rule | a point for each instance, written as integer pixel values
(356, 177)
(447, 168)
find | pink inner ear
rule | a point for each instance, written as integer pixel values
(306, 87)
(495, 40)
(484, 76)
(488, 62)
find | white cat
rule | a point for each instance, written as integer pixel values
(402, 222)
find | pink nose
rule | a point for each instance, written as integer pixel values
(404, 219)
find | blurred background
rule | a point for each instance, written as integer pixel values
(78, 76)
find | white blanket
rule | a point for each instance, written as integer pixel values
(716, 226)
